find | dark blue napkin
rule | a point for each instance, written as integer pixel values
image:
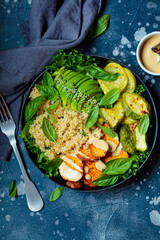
(53, 25)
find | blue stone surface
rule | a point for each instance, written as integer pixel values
(130, 211)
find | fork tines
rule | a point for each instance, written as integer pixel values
(5, 113)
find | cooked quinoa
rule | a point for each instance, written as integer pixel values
(69, 126)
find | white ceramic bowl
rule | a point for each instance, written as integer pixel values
(139, 50)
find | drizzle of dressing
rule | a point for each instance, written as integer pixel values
(87, 176)
(112, 146)
(150, 59)
(86, 169)
(99, 143)
(117, 151)
(100, 165)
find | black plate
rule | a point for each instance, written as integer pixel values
(102, 62)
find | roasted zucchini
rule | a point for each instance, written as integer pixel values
(128, 139)
(128, 120)
(131, 86)
(120, 83)
(134, 105)
(141, 141)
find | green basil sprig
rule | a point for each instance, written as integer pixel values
(13, 189)
(117, 166)
(92, 117)
(98, 27)
(98, 73)
(144, 124)
(47, 79)
(48, 130)
(55, 163)
(48, 92)
(110, 97)
(105, 181)
(56, 194)
(109, 132)
(48, 112)
(54, 105)
(32, 107)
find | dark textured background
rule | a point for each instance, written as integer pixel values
(128, 212)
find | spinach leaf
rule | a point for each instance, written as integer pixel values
(110, 97)
(32, 107)
(98, 27)
(47, 79)
(109, 132)
(13, 189)
(144, 124)
(117, 166)
(48, 92)
(56, 194)
(46, 109)
(105, 181)
(92, 117)
(48, 130)
(98, 73)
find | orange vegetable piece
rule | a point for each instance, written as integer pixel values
(88, 153)
(71, 184)
(97, 152)
(93, 172)
(122, 154)
(108, 138)
(75, 160)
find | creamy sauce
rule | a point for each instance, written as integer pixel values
(99, 143)
(69, 173)
(150, 59)
(87, 176)
(117, 151)
(86, 169)
(74, 165)
(112, 146)
(100, 165)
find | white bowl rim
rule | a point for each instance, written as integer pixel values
(138, 52)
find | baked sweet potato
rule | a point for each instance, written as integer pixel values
(97, 152)
(93, 172)
(88, 153)
(122, 154)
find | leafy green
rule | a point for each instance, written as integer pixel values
(32, 107)
(54, 105)
(70, 60)
(48, 130)
(105, 181)
(98, 27)
(117, 166)
(47, 79)
(98, 73)
(25, 132)
(56, 194)
(140, 89)
(48, 92)
(144, 124)
(110, 97)
(92, 117)
(13, 189)
(109, 132)
(48, 112)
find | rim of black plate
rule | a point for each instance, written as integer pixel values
(93, 189)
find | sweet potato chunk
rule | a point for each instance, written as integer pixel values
(108, 138)
(97, 152)
(88, 153)
(122, 154)
(71, 184)
(93, 172)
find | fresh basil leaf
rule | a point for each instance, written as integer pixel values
(46, 109)
(48, 130)
(32, 107)
(117, 166)
(98, 27)
(13, 189)
(144, 124)
(55, 163)
(48, 92)
(47, 79)
(92, 117)
(54, 105)
(25, 132)
(105, 181)
(109, 132)
(98, 73)
(56, 194)
(110, 97)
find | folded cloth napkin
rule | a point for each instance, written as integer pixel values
(53, 25)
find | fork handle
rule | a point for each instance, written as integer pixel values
(34, 200)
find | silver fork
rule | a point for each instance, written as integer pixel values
(7, 125)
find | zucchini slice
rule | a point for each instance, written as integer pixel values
(141, 141)
(128, 139)
(113, 116)
(121, 81)
(135, 106)
(128, 120)
(131, 86)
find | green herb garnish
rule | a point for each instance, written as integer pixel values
(13, 189)
(109, 132)
(105, 181)
(56, 194)
(140, 89)
(92, 117)
(48, 130)
(32, 107)
(47, 79)
(143, 124)
(110, 97)
(48, 92)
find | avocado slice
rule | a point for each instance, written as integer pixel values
(76, 79)
(66, 79)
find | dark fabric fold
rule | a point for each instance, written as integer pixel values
(53, 25)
